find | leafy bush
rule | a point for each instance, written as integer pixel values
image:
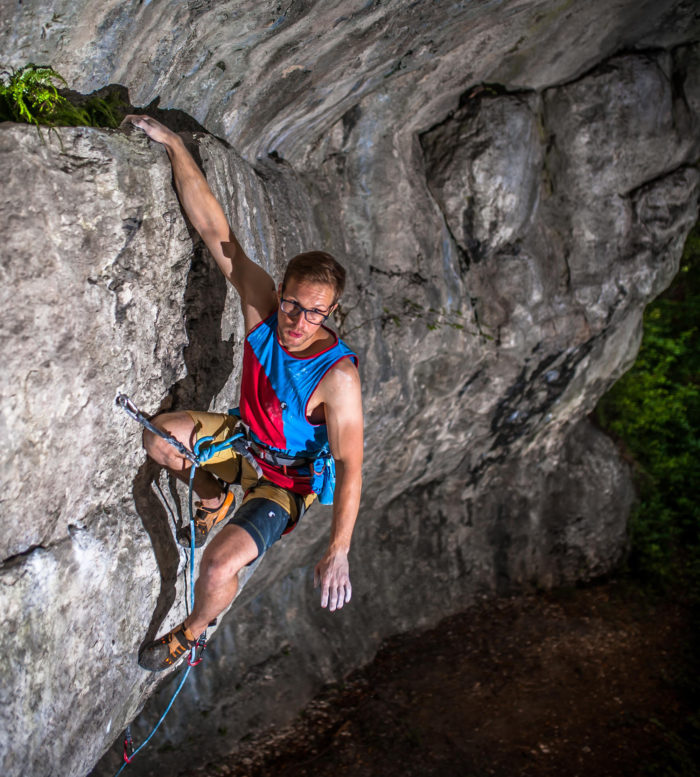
(37, 94)
(654, 410)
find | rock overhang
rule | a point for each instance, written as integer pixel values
(476, 372)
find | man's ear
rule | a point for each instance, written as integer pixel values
(279, 291)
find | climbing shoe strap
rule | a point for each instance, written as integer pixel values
(166, 651)
(179, 641)
(206, 518)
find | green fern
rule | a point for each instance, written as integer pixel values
(31, 95)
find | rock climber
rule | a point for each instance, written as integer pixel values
(300, 409)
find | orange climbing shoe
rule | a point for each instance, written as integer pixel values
(205, 520)
(166, 651)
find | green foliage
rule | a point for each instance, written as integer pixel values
(681, 751)
(32, 95)
(655, 411)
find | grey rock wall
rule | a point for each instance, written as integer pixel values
(508, 183)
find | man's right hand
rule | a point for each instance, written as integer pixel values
(153, 128)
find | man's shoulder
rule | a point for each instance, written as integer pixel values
(346, 364)
(341, 393)
(253, 317)
(342, 375)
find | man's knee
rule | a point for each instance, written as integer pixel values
(217, 570)
(226, 555)
(178, 425)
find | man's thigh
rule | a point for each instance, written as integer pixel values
(231, 550)
(178, 425)
(268, 511)
(295, 505)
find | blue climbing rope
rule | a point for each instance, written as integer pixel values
(129, 758)
(204, 449)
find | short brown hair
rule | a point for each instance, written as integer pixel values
(317, 267)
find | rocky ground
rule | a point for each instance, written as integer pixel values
(575, 682)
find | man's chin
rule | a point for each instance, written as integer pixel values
(290, 341)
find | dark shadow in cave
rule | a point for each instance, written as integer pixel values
(155, 520)
(116, 96)
(178, 121)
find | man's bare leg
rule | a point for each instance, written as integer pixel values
(181, 426)
(223, 558)
(216, 586)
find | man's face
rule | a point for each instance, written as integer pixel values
(294, 331)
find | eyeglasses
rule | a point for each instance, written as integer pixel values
(293, 309)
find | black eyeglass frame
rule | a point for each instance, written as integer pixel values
(297, 309)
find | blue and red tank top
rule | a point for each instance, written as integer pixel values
(276, 387)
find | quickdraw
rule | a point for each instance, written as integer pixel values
(204, 448)
(128, 745)
(129, 407)
(201, 646)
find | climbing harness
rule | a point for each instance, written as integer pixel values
(203, 450)
(321, 465)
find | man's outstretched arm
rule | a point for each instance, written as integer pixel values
(343, 408)
(255, 287)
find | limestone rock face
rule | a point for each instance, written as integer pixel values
(507, 191)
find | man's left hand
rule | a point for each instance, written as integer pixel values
(332, 573)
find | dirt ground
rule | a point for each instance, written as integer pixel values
(574, 683)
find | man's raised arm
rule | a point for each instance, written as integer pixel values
(255, 287)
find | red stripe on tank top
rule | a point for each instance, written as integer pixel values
(262, 409)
